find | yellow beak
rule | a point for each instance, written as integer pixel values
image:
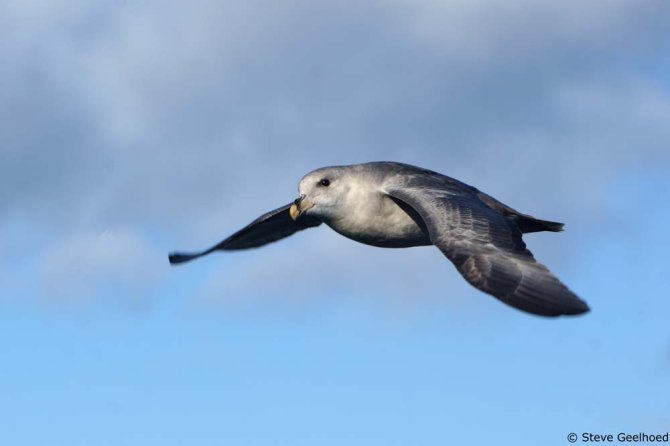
(299, 206)
(294, 211)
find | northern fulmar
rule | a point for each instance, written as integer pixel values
(395, 205)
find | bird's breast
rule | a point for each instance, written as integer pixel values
(380, 221)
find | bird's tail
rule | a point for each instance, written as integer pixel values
(526, 223)
(530, 224)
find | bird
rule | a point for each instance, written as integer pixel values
(395, 205)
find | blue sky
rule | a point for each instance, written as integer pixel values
(131, 129)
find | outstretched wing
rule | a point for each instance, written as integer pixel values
(485, 247)
(267, 228)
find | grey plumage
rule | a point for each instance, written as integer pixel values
(390, 204)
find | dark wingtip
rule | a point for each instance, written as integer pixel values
(579, 308)
(176, 258)
(568, 306)
(574, 308)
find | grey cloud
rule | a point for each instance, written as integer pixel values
(50, 149)
(189, 119)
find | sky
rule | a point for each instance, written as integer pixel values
(131, 129)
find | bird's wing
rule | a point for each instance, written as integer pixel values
(267, 228)
(485, 247)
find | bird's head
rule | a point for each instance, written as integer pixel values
(321, 192)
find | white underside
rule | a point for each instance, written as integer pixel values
(378, 221)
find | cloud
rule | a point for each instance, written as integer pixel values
(322, 263)
(116, 264)
(183, 121)
(481, 33)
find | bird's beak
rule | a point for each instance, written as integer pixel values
(299, 206)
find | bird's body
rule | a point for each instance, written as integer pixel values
(396, 205)
(373, 218)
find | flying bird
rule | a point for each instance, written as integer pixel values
(395, 205)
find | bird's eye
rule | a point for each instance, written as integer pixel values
(325, 182)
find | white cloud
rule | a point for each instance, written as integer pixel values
(115, 263)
